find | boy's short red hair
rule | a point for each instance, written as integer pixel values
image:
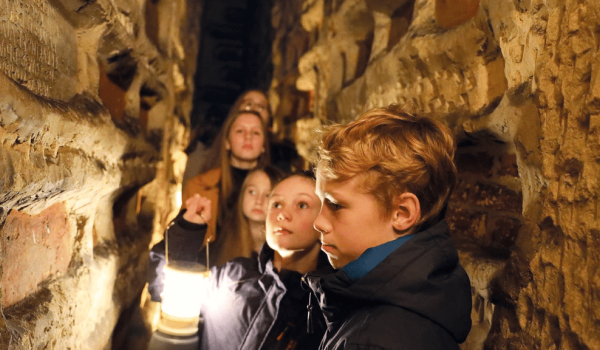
(396, 152)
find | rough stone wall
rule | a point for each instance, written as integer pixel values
(519, 83)
(95, 99)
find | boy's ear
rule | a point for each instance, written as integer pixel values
(227, 145)
(406, 213)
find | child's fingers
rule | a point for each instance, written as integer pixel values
(191, 204)
(206, 211)
(189, 201)
(195, 200)
(204, 203)
(204, 208)
(198, 209)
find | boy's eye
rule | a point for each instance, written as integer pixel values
(251, 191)
(333, 206)
(302, 205)
(276, 205)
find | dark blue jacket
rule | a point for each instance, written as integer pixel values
(418, 297)
(249, 305)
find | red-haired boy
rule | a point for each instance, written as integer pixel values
(384, 180)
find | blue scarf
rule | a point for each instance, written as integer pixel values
(372, 257)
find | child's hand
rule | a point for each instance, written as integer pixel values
(198, 210)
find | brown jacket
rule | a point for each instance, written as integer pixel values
(231, 244)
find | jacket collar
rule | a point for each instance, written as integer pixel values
(266, 255)
(372, 257)
(291, 280)
(423, 275)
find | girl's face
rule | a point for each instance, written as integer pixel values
(245, 141)
(256, 101)
(293, 207)
(256, 196)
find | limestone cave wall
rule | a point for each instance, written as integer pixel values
(519, 83)
(95, 98)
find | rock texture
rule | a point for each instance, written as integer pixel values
(519, 83)
(95, 99)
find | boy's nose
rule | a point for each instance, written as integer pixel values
(321, 224)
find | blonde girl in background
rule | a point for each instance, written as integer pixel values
(249, 224)
(244, 146)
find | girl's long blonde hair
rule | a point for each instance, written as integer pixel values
(226, 173)
(213, 154)
(241, 242)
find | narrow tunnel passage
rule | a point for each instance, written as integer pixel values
(102, 102)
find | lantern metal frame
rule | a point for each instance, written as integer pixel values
(172, 324)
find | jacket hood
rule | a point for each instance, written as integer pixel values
(423, 276)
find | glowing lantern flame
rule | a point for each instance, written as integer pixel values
(184, 288)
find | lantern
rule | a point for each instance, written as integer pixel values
(184, 286)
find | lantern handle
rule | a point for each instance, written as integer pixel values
(167, 241)
(207, 240)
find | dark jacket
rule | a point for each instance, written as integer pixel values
(418, 297)
(249, 304)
